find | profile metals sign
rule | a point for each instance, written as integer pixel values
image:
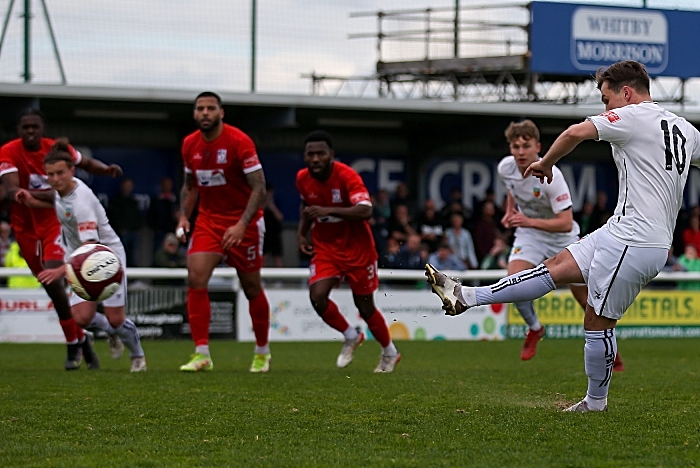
(575, 39)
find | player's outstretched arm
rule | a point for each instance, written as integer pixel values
(563, 145)
(97, 167)
(12, 187)
(358, 212)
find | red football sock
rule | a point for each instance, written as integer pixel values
(69, 330)
(199, 313)
(377, 325)
(334, 318)
(259, 310)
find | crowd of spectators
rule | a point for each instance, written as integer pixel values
(454, 237)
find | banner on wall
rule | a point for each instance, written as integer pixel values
(410, 315)
(653, 314)
(27, 315)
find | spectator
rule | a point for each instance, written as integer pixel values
(455, 205)
(5, 241)
(584, 218)
(497, 258)
(430, 226)
(486, 230)
(162, 213)
(381, 212)
(690, 261)
(391, 258)
(691, 234)
(170, 255)
(272, 245)
(14, 259)
(672, 264)
(601, 213)
(400, 226)
(446, 259)
(403, 197)
(412, 255)
(461, 242)
(125, 218)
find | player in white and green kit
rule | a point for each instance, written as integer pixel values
(652, 149)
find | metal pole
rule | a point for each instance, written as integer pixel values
(456, 32)
(253, 21)
(27, 46)
(4, 24)
(54, 43)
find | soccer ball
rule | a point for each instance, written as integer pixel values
(94, 272)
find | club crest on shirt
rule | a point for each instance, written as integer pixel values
(536, 191)
(335, 194)
(221, 156)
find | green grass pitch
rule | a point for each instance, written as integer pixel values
(447, 404)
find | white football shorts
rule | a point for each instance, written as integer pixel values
(614, 272)
(535, 248)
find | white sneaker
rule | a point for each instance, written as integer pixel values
(450, 291)
(116, 347)
(387, 363)
(348, 351)
(582, 407)
(138, 364)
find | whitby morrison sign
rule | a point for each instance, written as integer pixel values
(574, 39)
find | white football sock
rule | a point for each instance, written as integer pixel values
(100, 322)
(599, 355)
(262, 349)
(130, 337)
(390, 350)
(526, 285)
(202, 349)
(351, 333)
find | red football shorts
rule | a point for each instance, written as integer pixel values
(38, 248)
(245, 257)
(362, 280)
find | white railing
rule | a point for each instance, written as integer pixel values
(303, 273)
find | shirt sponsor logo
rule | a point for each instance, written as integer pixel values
(221, 156)
(211, 177)
(88, 226)
(562, 197)
(335, 194)
(38, 182)
(611, 116)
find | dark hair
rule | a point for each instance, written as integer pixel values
(319, 135)
(627, 73)
(525, 129)
(31, 111)
(209, 94)
(60, 151)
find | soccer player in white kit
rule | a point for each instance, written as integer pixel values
(652, 149)
(83, 221)
(541, 214)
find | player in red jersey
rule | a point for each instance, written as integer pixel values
(336, 208)
(223, 170)
(38, 229)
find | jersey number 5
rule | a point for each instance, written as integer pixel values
(670, 156)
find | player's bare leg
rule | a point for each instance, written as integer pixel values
(327, 309)
(259, 309)
(200, 267)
